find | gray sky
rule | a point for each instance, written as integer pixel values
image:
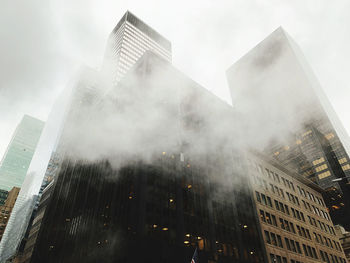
(44, 42)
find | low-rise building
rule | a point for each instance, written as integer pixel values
(6, 209)
(295, 224)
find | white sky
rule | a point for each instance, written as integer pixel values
(44, 42)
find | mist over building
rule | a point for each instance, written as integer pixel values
(157, 166)
(162, 194)
(278, 93)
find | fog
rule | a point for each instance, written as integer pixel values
(44, 43)
(144, 117)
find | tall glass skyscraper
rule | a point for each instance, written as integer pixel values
(19, 153)
(128, 42)
(276, 90)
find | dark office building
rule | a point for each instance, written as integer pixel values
(276, 90)
(176, 184)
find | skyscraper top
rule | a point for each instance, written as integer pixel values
(128, 41)
(137, 22)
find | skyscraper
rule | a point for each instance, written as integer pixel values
(128, 42)
(19, 153)
(166, 182)
(275, 89)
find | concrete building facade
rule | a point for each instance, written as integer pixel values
(295, 224)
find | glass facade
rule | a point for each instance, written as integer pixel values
(276, 89)
(15, 163)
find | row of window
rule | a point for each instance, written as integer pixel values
(324, 227)
(310, 196)
(284, 224)
(298, 214)
(128, 37)
(145, 40)
(273, 239)
(287, 183)
(268, 218)
(281, 207)
(334, 258)
(277, 259)
(327, 242)
(310, 251)
(266, 200)
(294, 246)
(292, 198)
(142, 37)
(276, 190)
(303, 232)
(316, 210)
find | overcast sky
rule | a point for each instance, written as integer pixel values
(44, 42)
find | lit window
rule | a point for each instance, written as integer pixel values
(346, 167)
(318, 161)
(342, 160)
(321, 167)
(306, 133)
(329, 136)
(324, 175)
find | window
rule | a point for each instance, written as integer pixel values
(269, 203)
(263, 197)
(279, 241)
(286, 225)
(268, 218)
(274, 222)
(314, 252)
(308, 234)
(305, 250)
(287, 243)
(292, 227)
(292, 245)
(273, 239)
(267, 237)
(282, 223)
(286, 208)
(281, 207)
(298, 247)
(257, 194)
